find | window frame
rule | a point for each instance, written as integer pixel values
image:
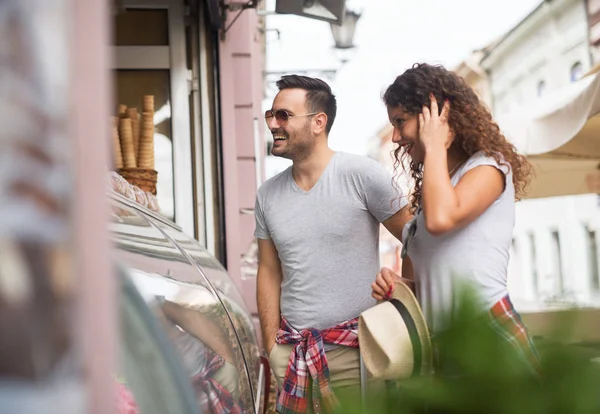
(172, 58)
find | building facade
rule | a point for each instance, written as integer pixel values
(593, 17)
(546, 51)
(554, 258)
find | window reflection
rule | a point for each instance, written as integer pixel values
(192, 316)
(230, 297)
(146, 381)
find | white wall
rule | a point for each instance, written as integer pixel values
(552, 260)
(573, 219)
(546, 53)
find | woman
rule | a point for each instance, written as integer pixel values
(466, 179)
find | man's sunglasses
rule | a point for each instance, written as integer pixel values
(281, 115)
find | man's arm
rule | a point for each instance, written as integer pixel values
(396, 223)
(268, 291)
(202, 327)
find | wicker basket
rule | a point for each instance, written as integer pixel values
(142, 178)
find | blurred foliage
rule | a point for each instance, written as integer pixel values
(482, 375)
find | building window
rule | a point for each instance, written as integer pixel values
(534, 267)
(592, 246)
(576, 72)
(541, 88)
(557, 261)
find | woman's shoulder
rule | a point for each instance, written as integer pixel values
(480, 158)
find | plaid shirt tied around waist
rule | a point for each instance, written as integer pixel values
(308, 359)
(505, 320)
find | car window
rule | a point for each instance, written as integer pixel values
(188, 310)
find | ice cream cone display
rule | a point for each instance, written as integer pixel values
(133, 144)
(126, 136)
(143, 179)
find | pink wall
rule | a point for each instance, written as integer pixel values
(241, 75)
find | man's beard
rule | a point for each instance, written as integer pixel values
(301, 149)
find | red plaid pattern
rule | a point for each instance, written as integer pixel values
(308, 360)
(220, 400)
(505, 320)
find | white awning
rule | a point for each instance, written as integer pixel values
(560, 133)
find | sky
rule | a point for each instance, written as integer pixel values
(391, 35)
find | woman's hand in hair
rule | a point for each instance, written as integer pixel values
(434, 130)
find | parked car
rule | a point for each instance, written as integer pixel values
(188, 340)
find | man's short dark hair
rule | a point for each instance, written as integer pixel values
(319, 97)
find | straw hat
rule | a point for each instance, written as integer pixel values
(393, 337)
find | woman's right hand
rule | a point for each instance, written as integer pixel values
(384, 284)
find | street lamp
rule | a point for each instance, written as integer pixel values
(343, 33)
(327, 10)
(342, 21)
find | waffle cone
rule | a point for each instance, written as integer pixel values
(127, 149)
(116, 147)
(146, 149)
(135, 130)
(122, 111)
(148, 103)
(133, 114)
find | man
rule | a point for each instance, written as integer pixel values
(317, 225)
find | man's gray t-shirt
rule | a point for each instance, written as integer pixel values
(327, 238)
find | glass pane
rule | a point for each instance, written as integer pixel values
(131, 86)
(131, 27)
(188, 310)
(146, 380)
(229, 295)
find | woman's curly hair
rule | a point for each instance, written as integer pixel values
(469, 119)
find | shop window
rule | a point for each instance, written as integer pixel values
(576, 72)
(131, 87)
(592, 246)
(541, 88)
(131, 28)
